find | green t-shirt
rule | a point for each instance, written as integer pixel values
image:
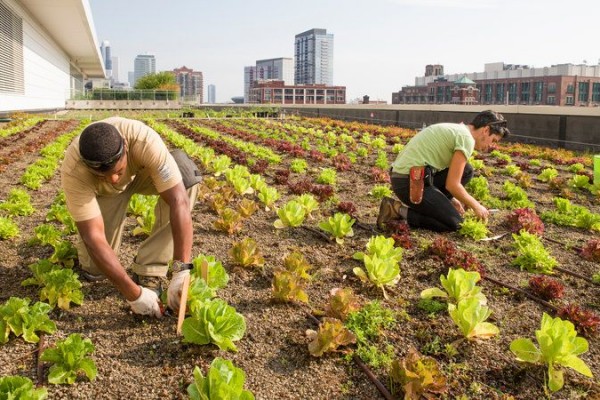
(435, 146)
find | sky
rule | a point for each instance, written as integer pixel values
(379, 45)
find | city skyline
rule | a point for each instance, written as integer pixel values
(380, 46)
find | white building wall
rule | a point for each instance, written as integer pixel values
(46, 71)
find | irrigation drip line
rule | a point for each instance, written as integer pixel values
(577, 275)
(566, 271)
(382, 389)
(40, 364)
(380, 386)
(577, 249)
(317, 232)
(523, 292)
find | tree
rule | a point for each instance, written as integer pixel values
(160, 81)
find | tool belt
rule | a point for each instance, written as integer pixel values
(189, 171)
(419, 177)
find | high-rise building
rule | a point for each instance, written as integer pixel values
(281, 69)
(212, 94)
(191, 84)
(249, 78)
(313, 57)
(143, 64)
(106, 58)
(130, 78)
(115, 69)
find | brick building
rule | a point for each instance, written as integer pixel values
(561, 85)
(191, 84)
(277, 92)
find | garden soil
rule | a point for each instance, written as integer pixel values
(143, 358)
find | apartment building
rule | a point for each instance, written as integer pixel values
(277, 92)
(500, 83)
(313, 55)
(191, 84)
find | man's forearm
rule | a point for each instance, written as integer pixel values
(183, 232)
(105, 259)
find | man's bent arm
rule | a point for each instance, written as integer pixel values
(181, 221)
(103, 256)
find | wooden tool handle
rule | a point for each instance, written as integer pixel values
(183, 302)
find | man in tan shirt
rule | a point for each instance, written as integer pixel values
(103, 167)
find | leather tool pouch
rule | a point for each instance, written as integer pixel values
(417, 184)
(189, 170)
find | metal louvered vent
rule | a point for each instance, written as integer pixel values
(11, 51)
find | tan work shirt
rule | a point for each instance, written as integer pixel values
(146, 153)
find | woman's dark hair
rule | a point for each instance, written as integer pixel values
(494, 120)
(101, 146)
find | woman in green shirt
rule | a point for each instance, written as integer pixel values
(443, 149)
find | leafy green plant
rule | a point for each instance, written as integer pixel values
(247, 207)
(64, 253)
(368, 325)
(379, 271)
(201, 291)
(8, 229)
(297, 264)
(547, 174)
(338, 226)
(292, 214)
(382, 161)
(516, 197)
(46, 234)
(18, 202)
(532, 255)
(40, 269)
(381, 191)
(223, 381)
(20, 388)
(308, 202)
(381, 247)
(298, 165)
(219, 164)
(470, 316)
(229, 221)
(215, 322)
(512, 170)
(473, 227)
(268, 196)
(246, 253)
(331, 334)
(18, 317)
(62, 287)
(577, 167)
(241, 185)
(139, 204)
(479, 188)
(459, 285)
(288, 286)
(145, 222)
(342, 302)
(579, 182)
(58, 212)
(328, 176)
(420, 376)
(558, 345)
(69, 358)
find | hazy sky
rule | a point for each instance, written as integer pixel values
(379, 45)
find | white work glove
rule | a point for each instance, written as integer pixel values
(175, 288)
(147, 304)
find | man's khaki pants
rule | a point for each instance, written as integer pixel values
(157, 250)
